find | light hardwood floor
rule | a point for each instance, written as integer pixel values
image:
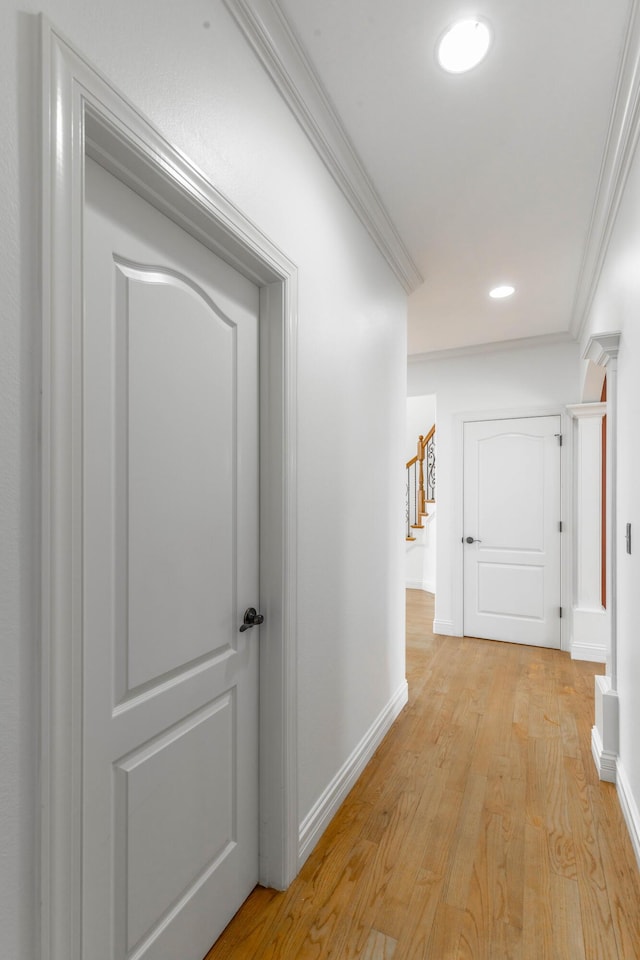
(479, 830)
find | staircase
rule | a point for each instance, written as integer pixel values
(421, 482)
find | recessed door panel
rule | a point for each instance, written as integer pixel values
(511, 590)
(509, 463)
(181, 784)
(177, 440)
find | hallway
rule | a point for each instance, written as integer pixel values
(479, 831)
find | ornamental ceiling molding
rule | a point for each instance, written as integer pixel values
(618, 156)
(602, 347)
(587, 411)
(495, 346)
(285, 60)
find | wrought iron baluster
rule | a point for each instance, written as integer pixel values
(431, 469)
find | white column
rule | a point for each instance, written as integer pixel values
(602, 349)
(590, 637)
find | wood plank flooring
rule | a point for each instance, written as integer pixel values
(478, 831)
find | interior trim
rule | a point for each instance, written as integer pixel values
(622, 139)
(478, 349)
(285, 60)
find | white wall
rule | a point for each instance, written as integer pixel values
(421, 416)
(525, 378)
(420, 555)
(617, 307)
(188, 68)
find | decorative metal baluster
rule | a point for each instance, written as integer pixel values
(431, 468)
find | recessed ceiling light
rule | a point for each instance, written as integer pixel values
(463, 46)
(499, 293)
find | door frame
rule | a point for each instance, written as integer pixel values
(566, 508)
(84, 115)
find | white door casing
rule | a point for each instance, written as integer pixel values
(512, 512)
(83, 115)
(169, 518)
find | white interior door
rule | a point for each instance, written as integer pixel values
(170, 521)
(512, 515)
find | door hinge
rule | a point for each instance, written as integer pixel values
(560, 525)
(559, 436)
(561, 613)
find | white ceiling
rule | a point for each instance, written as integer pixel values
(491, 176)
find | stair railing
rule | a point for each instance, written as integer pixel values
(420, 492)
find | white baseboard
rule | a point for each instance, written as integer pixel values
(605, 760)
(590, 634)
(629, 809)
(427, 585)
(444, 627)
(587, 651)
(325, 808)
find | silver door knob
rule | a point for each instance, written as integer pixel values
(473, 540)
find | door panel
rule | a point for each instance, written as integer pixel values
(509, 590)
(170, 789)
(512, 510)
(175, 345)
(165, 789)
(510, 474)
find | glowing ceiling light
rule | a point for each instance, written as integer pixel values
(463, 46)
(499, 293)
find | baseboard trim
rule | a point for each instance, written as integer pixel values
(325, 808)
(605, 761)
(590, 629)
(629, 809)
(590, 652)
(427, 585)
(444, 627)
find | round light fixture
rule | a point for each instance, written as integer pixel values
(499, 293)
(463, 46)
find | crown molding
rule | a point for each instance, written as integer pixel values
(602, 347)
(476, 349)
(587, 411)
(281, 53)
(619, 151)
